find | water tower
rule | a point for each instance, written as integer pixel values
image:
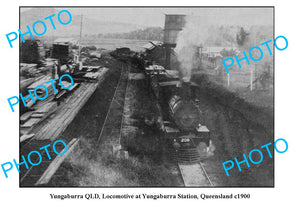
(173, 25)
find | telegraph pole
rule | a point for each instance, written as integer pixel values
(79, 46)
(228, 79)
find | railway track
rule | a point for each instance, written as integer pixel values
(111, 131)
(190, 167)
(194, 175)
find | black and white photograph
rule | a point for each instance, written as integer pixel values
(146, 96)
(160, 106)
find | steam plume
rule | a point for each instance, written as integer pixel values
(188, 41)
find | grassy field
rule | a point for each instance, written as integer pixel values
(239, 83)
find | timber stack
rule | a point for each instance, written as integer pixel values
(39, 119)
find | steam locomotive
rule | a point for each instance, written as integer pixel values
(181, 119)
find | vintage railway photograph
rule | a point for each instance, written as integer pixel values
(149, 102)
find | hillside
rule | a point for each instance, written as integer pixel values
(90, 26)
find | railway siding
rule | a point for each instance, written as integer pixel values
(110, 135)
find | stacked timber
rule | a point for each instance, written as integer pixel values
(26, 82)
(37, 123)
(44, 110)
(40, 91)
(92, 75)
(93, 72)
(25, 117)
(68, 110)
(90, 68)
(26, 137)
(32, 118)
(29, 70)
(66, 113)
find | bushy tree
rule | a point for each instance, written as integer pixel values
(241, 37)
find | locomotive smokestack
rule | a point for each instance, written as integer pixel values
(185, 90)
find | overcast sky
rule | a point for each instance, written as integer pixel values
(155, 16)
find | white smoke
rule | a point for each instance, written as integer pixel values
(189, 40)
(200, 32)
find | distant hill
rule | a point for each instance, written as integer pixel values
(90, 26)
(149, 33)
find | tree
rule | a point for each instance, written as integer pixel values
(241, 37)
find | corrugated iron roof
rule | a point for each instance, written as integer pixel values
(152, 44)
